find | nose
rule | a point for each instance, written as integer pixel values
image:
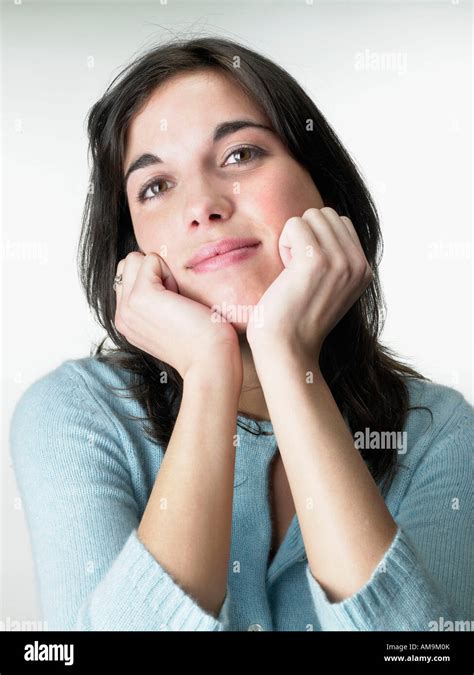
(206, 203)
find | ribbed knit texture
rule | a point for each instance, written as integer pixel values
(85, 472)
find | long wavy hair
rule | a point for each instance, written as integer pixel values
(366, 379)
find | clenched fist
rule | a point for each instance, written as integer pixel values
(153, 316)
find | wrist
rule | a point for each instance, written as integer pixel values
(272, 354)
(223, 372)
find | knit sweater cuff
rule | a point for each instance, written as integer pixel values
(400, 595)
(138, 594)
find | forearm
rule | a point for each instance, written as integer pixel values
(188, 519)
(345, 524)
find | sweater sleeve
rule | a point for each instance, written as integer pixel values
(425, 578)
(93, 571)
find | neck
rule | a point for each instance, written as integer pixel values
(251, 401)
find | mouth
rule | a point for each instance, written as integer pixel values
(218, 255)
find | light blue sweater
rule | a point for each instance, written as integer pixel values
(85, 473)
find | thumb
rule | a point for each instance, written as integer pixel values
(165, 274)
(296, 241)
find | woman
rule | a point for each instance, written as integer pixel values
(230, 251)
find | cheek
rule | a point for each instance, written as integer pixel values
(140, 230)
(150, 238)
(286, 193)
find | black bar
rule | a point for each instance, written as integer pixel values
(404, 652)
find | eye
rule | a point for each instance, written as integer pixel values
(254, 154)
(253, 151)
(142, 196)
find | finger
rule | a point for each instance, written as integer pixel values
(322, 223)
(169, 281)
(118, 287)
(347, 236)
(369, 270)
(296, 242)
(131, 265)
(352, 233)
(155, 270)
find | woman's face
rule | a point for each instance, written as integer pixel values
(205, 191)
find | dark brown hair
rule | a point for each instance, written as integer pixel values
(365, 378)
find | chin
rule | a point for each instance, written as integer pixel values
(234, 304)
(239, 314)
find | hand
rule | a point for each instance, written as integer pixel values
(152, 316)
(325, 273)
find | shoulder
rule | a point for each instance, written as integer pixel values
(449, 410)
(79, 396)
(73, 380)
(438, 438)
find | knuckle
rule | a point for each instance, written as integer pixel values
(329, 210)
(368, 272)
(342, 268)
(294, 221)
(364, 272)
(132, 255)
(151, 260)
(320, 262)
(310, 212)
(363, 266)
(340, 263)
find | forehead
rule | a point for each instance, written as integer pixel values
(189, 104)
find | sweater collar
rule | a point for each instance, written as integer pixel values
(256, 446)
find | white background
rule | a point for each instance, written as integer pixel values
(408, 127)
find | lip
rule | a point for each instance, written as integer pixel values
(217, 262)
(219, 248)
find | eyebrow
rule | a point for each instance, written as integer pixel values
(221, 131)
